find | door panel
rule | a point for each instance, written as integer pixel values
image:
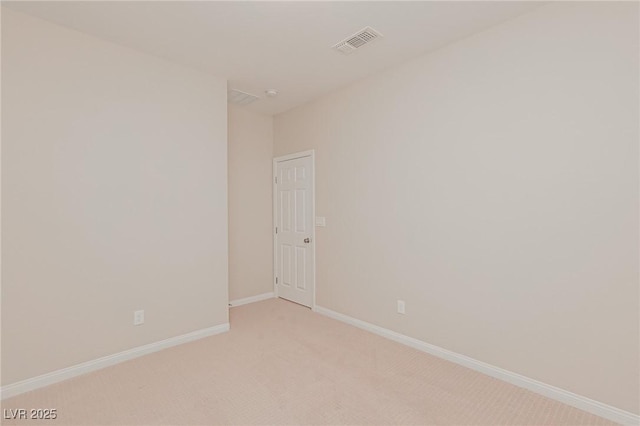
(294, 230)
(301, 223)
(286, 264)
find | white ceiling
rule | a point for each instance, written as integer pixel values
(280, 45)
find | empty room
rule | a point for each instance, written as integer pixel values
(318, 212)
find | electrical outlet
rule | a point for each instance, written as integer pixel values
(401, 306)
(138, 317)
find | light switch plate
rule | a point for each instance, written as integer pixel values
(138, 317)
(321, 221)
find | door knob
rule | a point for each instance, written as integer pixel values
(307, 240)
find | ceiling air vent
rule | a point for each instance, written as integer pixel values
(240, 98)
(357, 40)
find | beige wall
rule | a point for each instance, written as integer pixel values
(250, 203)
(114, 195)
(493, 186)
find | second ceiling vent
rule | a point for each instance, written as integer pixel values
(235, 96)
(357, 40)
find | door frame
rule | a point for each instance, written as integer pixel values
(312, 154)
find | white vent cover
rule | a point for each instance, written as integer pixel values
(237, 97)
(357, 40)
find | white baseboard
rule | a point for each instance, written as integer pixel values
(97, 364)
(246, 300)
(598, 408)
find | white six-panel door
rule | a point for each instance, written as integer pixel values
(294, 246)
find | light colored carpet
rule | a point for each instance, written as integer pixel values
(283, 364)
